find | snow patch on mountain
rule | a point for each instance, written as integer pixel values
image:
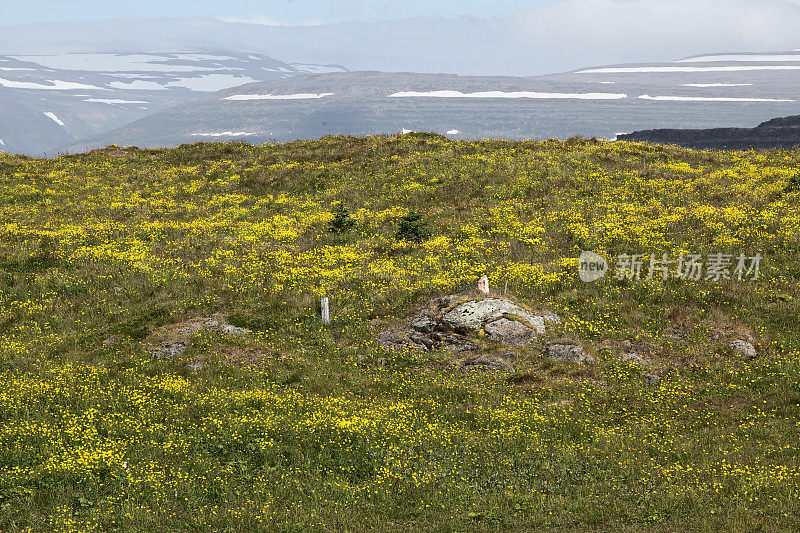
(709, 99)
(704, 85)
(114, 101)
(742, 57)
(135, 76)
(729, 68)
(58, 85)
(53, 117)
(224, 134)
(296, 96)
(211, 82)
(191, 56)
(138, 85)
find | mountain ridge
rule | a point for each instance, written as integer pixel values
(782, 132)
(580, 103)
(92, 93)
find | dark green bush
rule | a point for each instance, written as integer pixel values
(794, 183)
(342, 221)
(413, 228)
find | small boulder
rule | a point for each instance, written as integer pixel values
(232, 330)
(632, 357)
(509, 332)
(567, 352)
(651, 379)
(168, 350)
(456, 343)
(744, 348)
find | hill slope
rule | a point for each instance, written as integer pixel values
(300, 425)
(775, 133)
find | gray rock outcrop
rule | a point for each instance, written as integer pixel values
(448, 324)
(472, 315)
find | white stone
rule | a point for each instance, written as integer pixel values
(483, 285)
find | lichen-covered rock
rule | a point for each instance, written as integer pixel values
(509, 332)
(744, 348)
(232, 330)
(566, 351)
(633, 357)
(168, 349)
(197, 325)
(471, 316)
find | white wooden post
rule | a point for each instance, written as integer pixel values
(505, 288)
(326, 318)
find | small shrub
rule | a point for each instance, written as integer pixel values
(794, 183)
(413, 228)
(342, 221)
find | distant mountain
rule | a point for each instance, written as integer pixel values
(775, 133)
(538, 38)
(52, 100)
(463, 45)
(727, 90)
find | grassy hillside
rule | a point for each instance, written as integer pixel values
(303, 426)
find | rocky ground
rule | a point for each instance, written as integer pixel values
(473, 328)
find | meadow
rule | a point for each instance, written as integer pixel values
(304, 426)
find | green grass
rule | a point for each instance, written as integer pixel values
(302, 426)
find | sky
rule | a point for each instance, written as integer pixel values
(500, 37)
(291, 12)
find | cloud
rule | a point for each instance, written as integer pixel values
(543, 37)
(264, 20)
(608, 31)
